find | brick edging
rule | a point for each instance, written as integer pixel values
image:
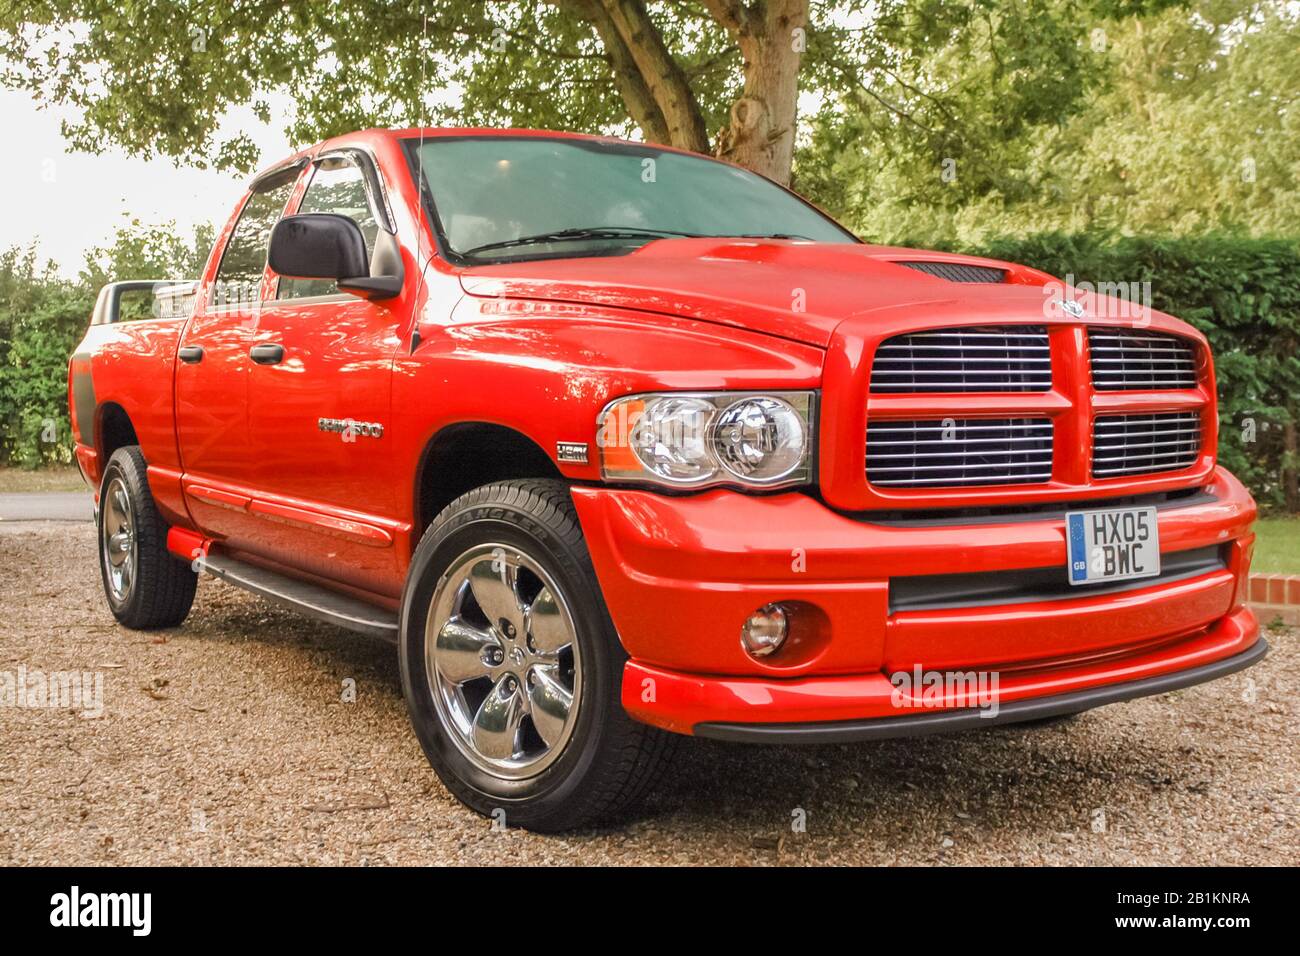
(1275, 596)
(1275, 589)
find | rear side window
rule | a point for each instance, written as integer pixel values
(337, 186)
(239, 277)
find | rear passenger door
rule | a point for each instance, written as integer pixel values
(318, 415)
(212, 366)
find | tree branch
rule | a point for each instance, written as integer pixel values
(659, 72)
(636, 94)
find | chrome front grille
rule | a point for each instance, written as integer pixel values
(1127, 359)
(958, 271)
(947, 452)
(1144, 443)
(1013, 358)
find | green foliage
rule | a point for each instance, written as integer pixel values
(1143, 118)
(43, 316)
(1244, 294)
(156, 77)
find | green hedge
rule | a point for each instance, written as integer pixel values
(42, 317)
(1244, 295)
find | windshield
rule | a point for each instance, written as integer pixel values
(511, 197)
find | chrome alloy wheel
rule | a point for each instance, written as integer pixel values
(501, 653)
(117, 540)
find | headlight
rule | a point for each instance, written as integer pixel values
(694, 439)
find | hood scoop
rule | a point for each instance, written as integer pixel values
(957, 271)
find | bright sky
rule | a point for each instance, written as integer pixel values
(70, 202)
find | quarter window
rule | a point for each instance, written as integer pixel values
(337, 186)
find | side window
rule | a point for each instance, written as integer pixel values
(337, 186)
(239, 276)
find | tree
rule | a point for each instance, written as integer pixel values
(1162, 119)
(156, 76)
(950, 116)
(139, 250)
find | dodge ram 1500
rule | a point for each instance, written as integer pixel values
(618, 444)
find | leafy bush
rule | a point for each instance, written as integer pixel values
(1244, 294)
(43, 317)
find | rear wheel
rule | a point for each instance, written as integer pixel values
(512, 669)
(146, 586)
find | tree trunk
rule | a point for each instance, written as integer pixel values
(661, 74)
(761, 133)
(636, 94)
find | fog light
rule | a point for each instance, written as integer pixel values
(764, 632)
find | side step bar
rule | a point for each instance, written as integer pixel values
(310, 599)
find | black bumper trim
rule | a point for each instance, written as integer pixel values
(1037, 708)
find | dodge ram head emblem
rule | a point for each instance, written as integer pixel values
(349, 429)
(1071, 308)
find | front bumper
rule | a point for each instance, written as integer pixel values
(968, 718)
(680, 575)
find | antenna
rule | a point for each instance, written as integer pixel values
(420, 189)
(424, 118)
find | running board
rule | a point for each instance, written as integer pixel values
(310, 599)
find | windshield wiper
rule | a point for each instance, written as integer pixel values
(766, 235)
(577, 235)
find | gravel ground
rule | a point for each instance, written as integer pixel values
(227, 742)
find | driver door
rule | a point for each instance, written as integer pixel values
(319, 401)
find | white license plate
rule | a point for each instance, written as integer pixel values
(1112, 545)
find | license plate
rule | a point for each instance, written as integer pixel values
(1112, 545)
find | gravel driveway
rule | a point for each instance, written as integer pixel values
(229, 741)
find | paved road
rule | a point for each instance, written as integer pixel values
(46, 506)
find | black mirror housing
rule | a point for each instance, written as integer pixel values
(318, 245)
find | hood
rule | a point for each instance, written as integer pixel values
(796, 290)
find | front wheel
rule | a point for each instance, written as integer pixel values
(512, 669)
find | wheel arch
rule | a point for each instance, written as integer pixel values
(113, 430)
(466, 455)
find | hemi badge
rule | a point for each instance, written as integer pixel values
(572, 451)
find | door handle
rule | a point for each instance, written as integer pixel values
(267, 354)
(190, 353)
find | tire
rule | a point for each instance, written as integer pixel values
(505, 743)
(146, 585)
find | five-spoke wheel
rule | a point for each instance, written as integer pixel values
(146, 585)
(117, 540)
(511, 667)
(502, 656)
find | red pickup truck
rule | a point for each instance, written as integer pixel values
(618, 443)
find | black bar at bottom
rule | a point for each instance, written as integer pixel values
(883, 728)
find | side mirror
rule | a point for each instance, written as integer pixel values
(324, 245)
(318, 245)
